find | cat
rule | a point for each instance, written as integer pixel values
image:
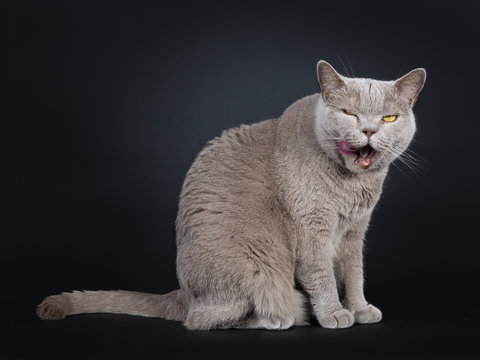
(272, 216)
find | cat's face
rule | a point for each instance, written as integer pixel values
(365, 124)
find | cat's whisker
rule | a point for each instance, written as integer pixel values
(413, 168)
(344, 67)
(417, 141)
(349, 64)
(408, 162)
(416, 157)
(400, 169)
(413, 160)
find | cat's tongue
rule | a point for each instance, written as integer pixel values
(346, 148)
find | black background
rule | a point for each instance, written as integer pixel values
(106, 106)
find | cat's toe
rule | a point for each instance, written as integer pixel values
(339, 319)
(52, 308)
(269, 324)
(272, 323)
(287, 323)
(368, 315)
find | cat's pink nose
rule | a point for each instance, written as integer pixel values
(368, 132)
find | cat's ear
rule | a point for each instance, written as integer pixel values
(328, 78)
(410, 85)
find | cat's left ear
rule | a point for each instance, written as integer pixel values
(410, 85)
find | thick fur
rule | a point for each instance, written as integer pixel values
(272, 216)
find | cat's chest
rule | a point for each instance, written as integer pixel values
(354, 200)
(351, 206)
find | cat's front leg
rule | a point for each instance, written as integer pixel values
(314, 272)
(349, 265)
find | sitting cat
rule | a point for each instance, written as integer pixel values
(272, 216)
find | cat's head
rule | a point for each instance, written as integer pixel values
(365, 124)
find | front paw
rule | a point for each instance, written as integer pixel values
(367, 315)
(339, 319)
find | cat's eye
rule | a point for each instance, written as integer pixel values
(389, 118)
(348, 113)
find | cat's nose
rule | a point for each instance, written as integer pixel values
(368, 132)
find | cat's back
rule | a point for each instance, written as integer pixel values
(240, 154)
(230, 177)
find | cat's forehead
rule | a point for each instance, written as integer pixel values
(370, 97)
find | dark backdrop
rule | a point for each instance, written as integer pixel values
(107, 104)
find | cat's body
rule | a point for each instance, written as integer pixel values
(272, 216)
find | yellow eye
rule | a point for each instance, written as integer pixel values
(389, 118)
(349, 113)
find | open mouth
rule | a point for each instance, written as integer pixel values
(364, 154)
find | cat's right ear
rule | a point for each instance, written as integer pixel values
(410, 85)
(328, 78)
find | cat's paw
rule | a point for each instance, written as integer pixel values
(53, 308)
(367, 315)
(339, 319)
(276, 324)
(269, 323)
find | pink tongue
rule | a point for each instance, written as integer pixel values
(346, 148)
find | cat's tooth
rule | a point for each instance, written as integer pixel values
(364, 162)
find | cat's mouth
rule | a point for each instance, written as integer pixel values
(364, 154)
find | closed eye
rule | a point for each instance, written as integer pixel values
(348, 112)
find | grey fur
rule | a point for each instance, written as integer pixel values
(272, 216)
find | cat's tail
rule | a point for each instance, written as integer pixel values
(172, 306)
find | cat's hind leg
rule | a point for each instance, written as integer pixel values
(209, 315)
(277, 308)
(206, 314)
